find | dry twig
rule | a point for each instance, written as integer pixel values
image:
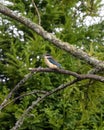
(38, 14)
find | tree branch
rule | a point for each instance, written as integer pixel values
(40, 99)
(14, 89)
(37, 11)
(23, 95)
(50, 37)
(67, 72)
(95, 70)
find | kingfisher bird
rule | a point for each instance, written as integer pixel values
(50, 62)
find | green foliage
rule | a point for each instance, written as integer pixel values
(78, 107)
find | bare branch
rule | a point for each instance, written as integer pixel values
(25, 94)
(14, 89)
(67, 72)
(37, 11)
(50, 37)
(40, 99)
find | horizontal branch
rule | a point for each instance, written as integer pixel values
(50, 37)
(67, 72)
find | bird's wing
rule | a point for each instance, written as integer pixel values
(54, 62)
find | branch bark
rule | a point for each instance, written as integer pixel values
(14, 89)
(25, 94)
(67, 72)
(78, 53)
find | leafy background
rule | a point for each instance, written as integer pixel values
(77, 107)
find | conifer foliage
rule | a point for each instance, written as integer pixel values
(34, 97)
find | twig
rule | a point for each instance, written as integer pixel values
(95, 71)
(86, 93)
(37, 11)
(25, 94)
(40, 99)
(67, 72)
(14, 89)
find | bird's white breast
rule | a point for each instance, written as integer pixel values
(49, 64)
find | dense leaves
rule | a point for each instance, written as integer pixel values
(79, 106)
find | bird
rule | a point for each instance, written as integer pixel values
(50, 62)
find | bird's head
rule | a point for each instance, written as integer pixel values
(47, 55)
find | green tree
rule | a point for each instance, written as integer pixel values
(34, 100)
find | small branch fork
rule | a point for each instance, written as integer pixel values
(14, 89)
